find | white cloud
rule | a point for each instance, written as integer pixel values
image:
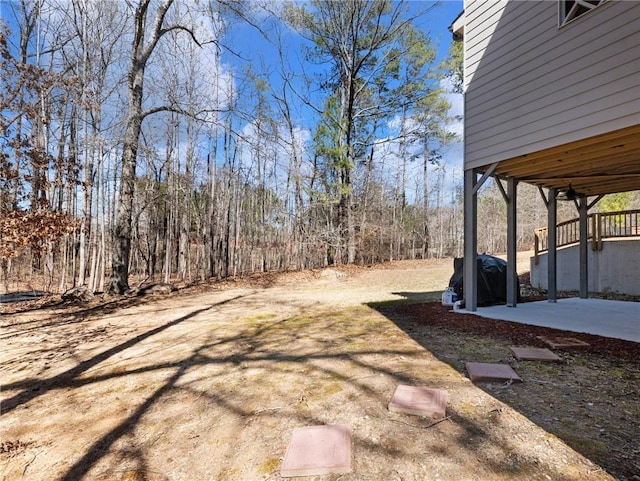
(394, 123)
(447, 84)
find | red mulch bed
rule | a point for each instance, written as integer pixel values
(435, 314)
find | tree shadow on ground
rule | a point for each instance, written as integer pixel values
(21, 296)
(235, 352)
(253, 350)
(313, 356)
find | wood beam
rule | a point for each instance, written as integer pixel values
(603, 143)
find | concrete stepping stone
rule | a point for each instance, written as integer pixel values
(318, 450)
(421, 401)
(559, 342)
(534, 354)
(482, 371)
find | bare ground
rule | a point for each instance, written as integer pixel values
(209, 382)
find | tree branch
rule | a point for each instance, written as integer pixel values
(183, 28)
(180, 111)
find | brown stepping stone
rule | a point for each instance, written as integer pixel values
(534, 354)
(318, 450)
(421, 401)
(482, 371)
(556, 342)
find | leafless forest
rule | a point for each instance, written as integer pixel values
(139, 143)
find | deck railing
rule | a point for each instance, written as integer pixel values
(601, 225)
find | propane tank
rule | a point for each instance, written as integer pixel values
(449, 297)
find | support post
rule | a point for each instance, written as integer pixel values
(552, 258)
(584, 249)
(512, 277)
(470, 269)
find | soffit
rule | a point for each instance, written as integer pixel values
(603, 164)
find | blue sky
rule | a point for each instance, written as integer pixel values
(246, 39)
(248, 43)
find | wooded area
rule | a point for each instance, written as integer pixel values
(131, 150)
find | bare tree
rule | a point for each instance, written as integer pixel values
(141, 52)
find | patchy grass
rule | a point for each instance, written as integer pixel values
(590, 446)
(270, 466)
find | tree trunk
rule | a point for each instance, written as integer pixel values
(119, 281)
(425, 198)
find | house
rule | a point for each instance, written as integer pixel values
(552, 98)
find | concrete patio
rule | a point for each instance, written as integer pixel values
(616, 319)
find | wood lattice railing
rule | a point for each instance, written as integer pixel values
(601, 225)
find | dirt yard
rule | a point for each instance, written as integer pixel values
(207, 383)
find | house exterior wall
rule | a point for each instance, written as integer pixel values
(530, 84)
(615, 268)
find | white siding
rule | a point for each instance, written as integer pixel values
(531, 85)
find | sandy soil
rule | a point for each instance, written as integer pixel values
(208, 383)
